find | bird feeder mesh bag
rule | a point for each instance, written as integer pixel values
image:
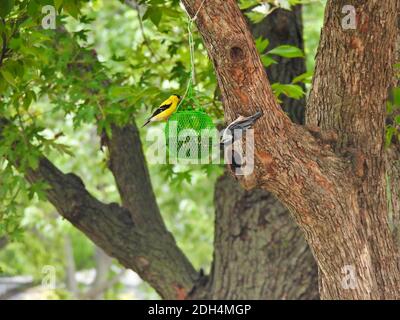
(190, 134)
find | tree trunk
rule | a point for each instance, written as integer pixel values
(353, 105)
(253, 227)
(338, 200)
(259, 253)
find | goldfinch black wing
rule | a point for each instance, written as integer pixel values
(160, 109)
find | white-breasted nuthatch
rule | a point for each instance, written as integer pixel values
(232, 136)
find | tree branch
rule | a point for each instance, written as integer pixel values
(128, 165)
(153, 255)
(4, 43)
(135, 6)
(3, 242)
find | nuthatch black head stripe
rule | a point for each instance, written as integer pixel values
(238, 126)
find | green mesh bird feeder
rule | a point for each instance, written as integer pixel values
(190, 132)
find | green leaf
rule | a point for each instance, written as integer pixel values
(72, 8)
(39, 188)
(6, 7)
(33, 9)
(291, 90)
(63, 149)
(255, 17)
(267, 60)
(261, 44)
(58, 4)
(246, 4)
(390, 131)
(8, 77)
(305, 78)
(33, 162)
(154, 14)
(287, 51)
(396, 96)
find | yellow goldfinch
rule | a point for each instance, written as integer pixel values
(164, 111)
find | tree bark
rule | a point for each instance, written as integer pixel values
(339, 204)
(259, 253)
(353, 105)
(253, 228)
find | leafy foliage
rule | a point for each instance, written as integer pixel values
(258, 10)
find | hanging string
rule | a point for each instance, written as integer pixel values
(197, 12)
(191, 49)
(192, 74)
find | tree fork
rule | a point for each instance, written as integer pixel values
(316, 184)
(252, 227)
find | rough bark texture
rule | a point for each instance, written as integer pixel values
(338, 201)
(353, 104)
(259, 253)
(253, 230)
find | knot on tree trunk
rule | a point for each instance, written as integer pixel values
(237, 54)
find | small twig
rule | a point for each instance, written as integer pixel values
(15, 25)
(192, 78)
(22, 126)
(4, 48)
(3, 242)
(134, 5)
(198, 10)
